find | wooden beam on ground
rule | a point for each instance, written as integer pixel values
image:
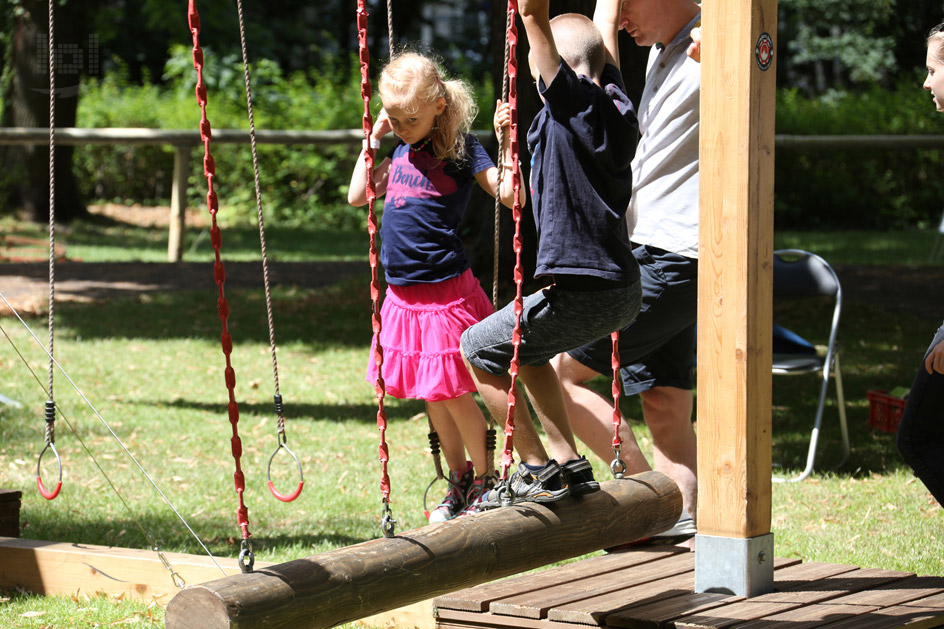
(736, 166)
(349, 583)
(51, 568)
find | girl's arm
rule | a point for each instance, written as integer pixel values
(488, 178)
(606, 17)
(357, 191)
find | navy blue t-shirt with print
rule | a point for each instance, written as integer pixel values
(582, 143)
(425, 200)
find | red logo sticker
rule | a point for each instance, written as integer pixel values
(764, 51)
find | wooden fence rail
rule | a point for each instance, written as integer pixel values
(185, 140)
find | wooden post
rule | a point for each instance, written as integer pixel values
(734, 547)
(349, 583)
(178, 203)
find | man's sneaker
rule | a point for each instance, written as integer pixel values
(578, 475)
(527, 485)
(455, 500)
(684, 529)
(478, 491)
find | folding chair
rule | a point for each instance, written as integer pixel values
(802, 275)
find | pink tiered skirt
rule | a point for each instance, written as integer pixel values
(420, 329)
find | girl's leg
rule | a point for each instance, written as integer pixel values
(470, 423)
(450, 437)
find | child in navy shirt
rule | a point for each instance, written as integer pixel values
(432, 296)
(582, 143)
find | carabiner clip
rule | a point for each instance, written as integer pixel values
(617, 467)
(245, 552)
(301, 478)
(387, 522)
(48, 495)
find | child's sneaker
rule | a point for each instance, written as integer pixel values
(477, 493)
(578, 475)
(527, 485)
(455, 499)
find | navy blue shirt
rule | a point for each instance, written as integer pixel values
(582, 142)
(425, 200)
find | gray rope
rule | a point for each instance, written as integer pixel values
(390, 26)
(262, 240)
(51, 426)
(501, 168)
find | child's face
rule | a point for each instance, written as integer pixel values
(935, 81)
(414, 124)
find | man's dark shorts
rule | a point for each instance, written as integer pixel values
(553, 320)
(658, 348)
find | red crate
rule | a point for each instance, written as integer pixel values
(884, 410)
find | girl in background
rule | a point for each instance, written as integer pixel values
(921, 432)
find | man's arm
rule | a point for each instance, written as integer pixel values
(606, 17)
(535, 15)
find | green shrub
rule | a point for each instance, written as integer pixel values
(298, 183)
(861, 188)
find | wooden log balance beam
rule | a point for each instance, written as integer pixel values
(345, 584)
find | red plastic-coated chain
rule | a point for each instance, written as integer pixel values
(379, 388)
(512, 35)
(219, 272)
(617, 466)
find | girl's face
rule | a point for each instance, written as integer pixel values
(935, 81)
(415, 124)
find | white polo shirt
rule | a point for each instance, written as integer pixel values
(664, 209)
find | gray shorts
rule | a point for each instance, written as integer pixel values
(553, 320)
(657, 349)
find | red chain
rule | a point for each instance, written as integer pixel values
(617, 416)
(368, 124)
(507, 453)
(218, 271)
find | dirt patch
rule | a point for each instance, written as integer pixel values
(26, 285)
(148, 216)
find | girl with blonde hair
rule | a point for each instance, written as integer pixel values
(432, 295)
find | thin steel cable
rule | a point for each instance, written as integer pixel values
(51, 425)
(262, 239)
(107, 426)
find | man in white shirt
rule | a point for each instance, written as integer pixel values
(657, 349)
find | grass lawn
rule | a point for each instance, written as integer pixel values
(153, 369)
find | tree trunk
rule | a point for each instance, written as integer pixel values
(26, 104)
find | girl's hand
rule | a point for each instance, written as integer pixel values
(502, 116)
(382, 126)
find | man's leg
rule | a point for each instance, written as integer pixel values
(668, 413)
(591, 415)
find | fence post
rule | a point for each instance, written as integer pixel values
(178, 203)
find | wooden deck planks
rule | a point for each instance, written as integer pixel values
(478, 599)
(537, 603)
(654, 590)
